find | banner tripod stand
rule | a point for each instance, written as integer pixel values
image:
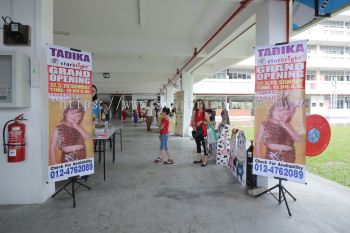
(72, 180)
(282, 191)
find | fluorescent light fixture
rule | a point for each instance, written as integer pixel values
(61, 33)
(106, 75)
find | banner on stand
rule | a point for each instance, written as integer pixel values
(71, 127)
(237, 162)
(280, 121)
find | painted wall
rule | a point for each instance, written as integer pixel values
(25, 182)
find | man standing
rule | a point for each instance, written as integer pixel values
(149, 115)
(212, 113)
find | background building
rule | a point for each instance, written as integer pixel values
(327, 78)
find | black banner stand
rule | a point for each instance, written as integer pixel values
(72, 180)
(281, 192)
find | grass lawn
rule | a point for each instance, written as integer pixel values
(334, 162)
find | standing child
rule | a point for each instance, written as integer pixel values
(164, 136)
(124, 114)
(135, 117)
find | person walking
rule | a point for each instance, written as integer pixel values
(135, 117)
(149, 115)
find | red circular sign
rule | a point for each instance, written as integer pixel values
(318, 134)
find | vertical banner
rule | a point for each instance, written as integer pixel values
(280, 121)
(71, 127)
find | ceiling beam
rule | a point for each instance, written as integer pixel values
(137, 67)
(127, 44)
(139, 11)
(117, 77)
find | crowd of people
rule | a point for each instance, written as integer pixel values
(150, 113)
(269, 143)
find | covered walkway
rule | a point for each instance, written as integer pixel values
(139, 196)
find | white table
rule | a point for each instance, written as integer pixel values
(101, 139)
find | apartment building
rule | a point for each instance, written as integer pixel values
(327, 77)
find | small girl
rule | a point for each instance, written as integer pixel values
(136, 117)
(164, 136)
(124, 114)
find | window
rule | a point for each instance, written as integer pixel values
(347, 51)
(332, 50)
(321, 105)
(311, 75)
(214, 100)
(219, 75)
(340, 104)
(347, 101)
(347, 24)
(311, 48)
(313, 104)
(332, 24)
(239, 74)
(336, 33)
(241, 102)
(241, 105)
(333, 75)
(307, 102)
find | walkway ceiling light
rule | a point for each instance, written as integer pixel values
(106, 75)
(61, 33)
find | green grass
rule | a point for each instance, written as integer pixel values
(334, 162)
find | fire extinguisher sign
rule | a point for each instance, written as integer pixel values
(12, 153)
(71, 126)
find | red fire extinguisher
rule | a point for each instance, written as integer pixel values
(16, 145)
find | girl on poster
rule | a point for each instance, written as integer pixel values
(69, 136)
(277, 134)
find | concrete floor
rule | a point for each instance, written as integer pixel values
(139, 196)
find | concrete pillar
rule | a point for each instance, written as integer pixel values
(270, 29)
(162, 99)
(187, 87)
(318, 75)
(25, 182)
(169, 95)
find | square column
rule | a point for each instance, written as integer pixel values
(25, 182)
(187, 87)
(162, 99)
(169, 96)
(270, 29)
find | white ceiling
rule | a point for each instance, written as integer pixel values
(142, 42)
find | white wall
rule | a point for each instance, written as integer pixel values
(25, 182)
(225, 86)
(187, 87)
